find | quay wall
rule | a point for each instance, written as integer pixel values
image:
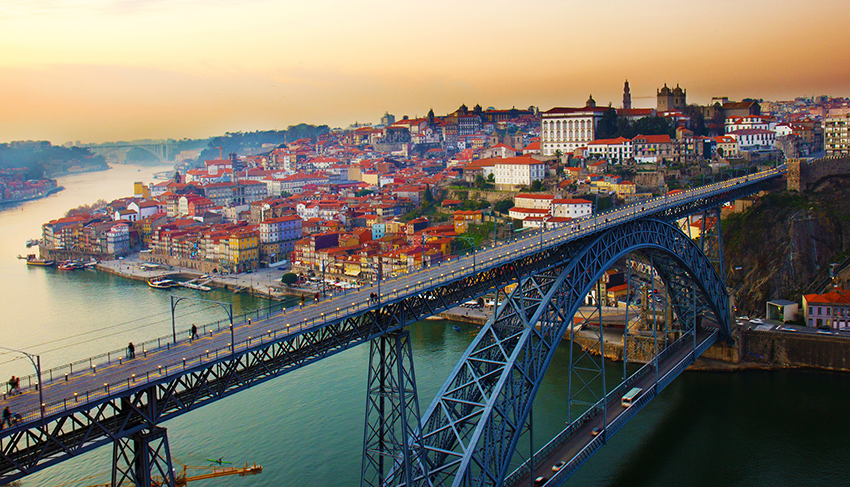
(785, 349)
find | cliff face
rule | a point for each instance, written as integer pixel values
(783, 245)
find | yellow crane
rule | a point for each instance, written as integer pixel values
(182, 477)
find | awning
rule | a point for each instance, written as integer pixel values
(352, 273)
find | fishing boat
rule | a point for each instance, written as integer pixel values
(35, 261)
(162, 282)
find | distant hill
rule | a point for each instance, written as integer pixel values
(46, 160)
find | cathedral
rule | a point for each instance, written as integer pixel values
(671, 99)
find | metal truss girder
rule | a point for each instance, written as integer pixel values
(501, 406)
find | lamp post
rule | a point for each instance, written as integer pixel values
(36, 363)
(227, 307)
(378, 274)
(324, 288)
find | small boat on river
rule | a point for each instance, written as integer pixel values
(32, 242)
(35, 261)
(70, 266)
(162, 282)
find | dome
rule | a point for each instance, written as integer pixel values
(591, 102)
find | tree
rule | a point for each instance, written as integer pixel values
(288, 278)
(491, 178)
(503, 206)
(480, 181)
(536, 185)
(607, 126)
(428, 196)
(365, 192)
(720, 152)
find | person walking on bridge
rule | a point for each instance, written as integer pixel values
(131, 351)
(194, 332)
(7, 418)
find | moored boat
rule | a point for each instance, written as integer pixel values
(31, 242)
(162, 282)
(70, 266)
(35, 261)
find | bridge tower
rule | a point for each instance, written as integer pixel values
(392, 412)
(141, 458)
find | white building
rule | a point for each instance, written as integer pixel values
(513, 172)
(754, 140)
(567, 129)
(536, 201)
(616, 150)
(733, 124)
(571, 208)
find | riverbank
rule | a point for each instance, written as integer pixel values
(262, 282)
(33, 198)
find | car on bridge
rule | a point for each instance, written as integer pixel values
(558, 466)
(540, 481)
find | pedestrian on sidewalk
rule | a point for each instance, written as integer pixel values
(7, 418)
(131, 351)
(194, 332)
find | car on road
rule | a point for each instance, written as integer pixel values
(558, 466)
(540, 480)
(757, 320)
(596, 431)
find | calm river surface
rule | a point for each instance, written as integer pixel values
(787, 428)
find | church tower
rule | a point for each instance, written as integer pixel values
(627, 97)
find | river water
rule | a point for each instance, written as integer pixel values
(782, 428)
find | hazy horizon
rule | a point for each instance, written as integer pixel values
(106, 70)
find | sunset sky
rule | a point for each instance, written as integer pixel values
(102, 70)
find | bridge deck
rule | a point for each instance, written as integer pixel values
(161, 364)
(580, 442)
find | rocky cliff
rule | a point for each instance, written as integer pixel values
(783, 245)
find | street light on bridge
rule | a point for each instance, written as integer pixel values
(36, 363)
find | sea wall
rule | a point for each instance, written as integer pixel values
(795, 350)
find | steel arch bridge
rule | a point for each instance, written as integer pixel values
(470, 432)
(468, 435)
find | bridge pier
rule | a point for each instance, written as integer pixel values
(393, 422)
(142, 458)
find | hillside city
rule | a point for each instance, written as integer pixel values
(370, 202)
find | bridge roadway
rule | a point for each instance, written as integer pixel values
(577, 442)
(115, 378)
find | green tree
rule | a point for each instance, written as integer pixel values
(288, 278)
(365, 192)
(428, 196)
(480, 181)
(503, 206)
(491, 178)
(607, 126)
(536, 185)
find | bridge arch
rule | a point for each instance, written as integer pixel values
(472, 427)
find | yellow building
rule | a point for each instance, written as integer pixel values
(462, 220)
(243, 250)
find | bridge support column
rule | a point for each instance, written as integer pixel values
(393, 422)
(142, 459)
